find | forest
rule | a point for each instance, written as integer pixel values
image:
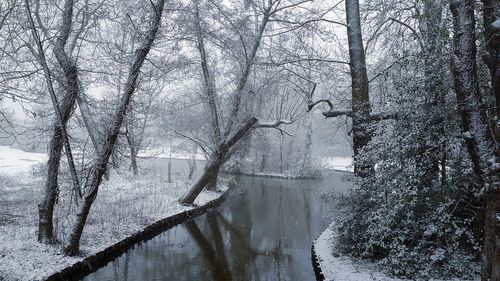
(115, 115)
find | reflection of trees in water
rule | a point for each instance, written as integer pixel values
(120, 268)
(264, 234)
(157, 259)
(284, 212)
(215, 258)
(214, 251)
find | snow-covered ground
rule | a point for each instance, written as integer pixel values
(338, 163)
(163, 151)
(14, 161)
(342, 268)
(123, 207)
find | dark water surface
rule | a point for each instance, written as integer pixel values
(262, 232)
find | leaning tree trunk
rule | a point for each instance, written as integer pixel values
(99, 168)
(210, 171)
(478, 134)
(220, 140)
(360, 98)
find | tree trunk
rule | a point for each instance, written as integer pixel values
(46, 207)
(209, 172)
(59, 136)
(99, 168)
(465, 78)
(491, 244)
(209, 83)
(212, 184)
(360, 97)
(192, 161)
(306, 162)
(133, 162)
(281, 153)
(87, 120)
(83, 105)
(169, 169)
(477, 131)
(263, 162)
(491, 13)
(491, 247)
(132, 148)
(211, 169)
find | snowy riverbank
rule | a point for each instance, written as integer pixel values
(342, 268)
(124, 207)
(284, 176)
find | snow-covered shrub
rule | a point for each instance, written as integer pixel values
(418, 213)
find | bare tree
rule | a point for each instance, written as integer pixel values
(360, 103)
(63, 113)
(225, 138)
(97, 171)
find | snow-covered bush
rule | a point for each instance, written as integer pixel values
(417, 214)
(416, 225)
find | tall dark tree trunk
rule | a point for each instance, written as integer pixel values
(491, 246)
(480, 141)
(361, 108)
(491, 20)
(469, 100)
(99, 168)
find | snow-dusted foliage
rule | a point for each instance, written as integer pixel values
(418, 214)
(415, 227)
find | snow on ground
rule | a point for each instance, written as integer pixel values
(342, 268)
(123, 207)
(163, 151)
(338, 163)
(14, 161)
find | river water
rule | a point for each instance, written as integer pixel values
(263, 231)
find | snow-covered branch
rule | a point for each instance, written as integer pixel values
(331, 112)
(273, 124)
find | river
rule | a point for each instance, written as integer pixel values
(263, 231)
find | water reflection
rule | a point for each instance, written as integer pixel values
(263, 232)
